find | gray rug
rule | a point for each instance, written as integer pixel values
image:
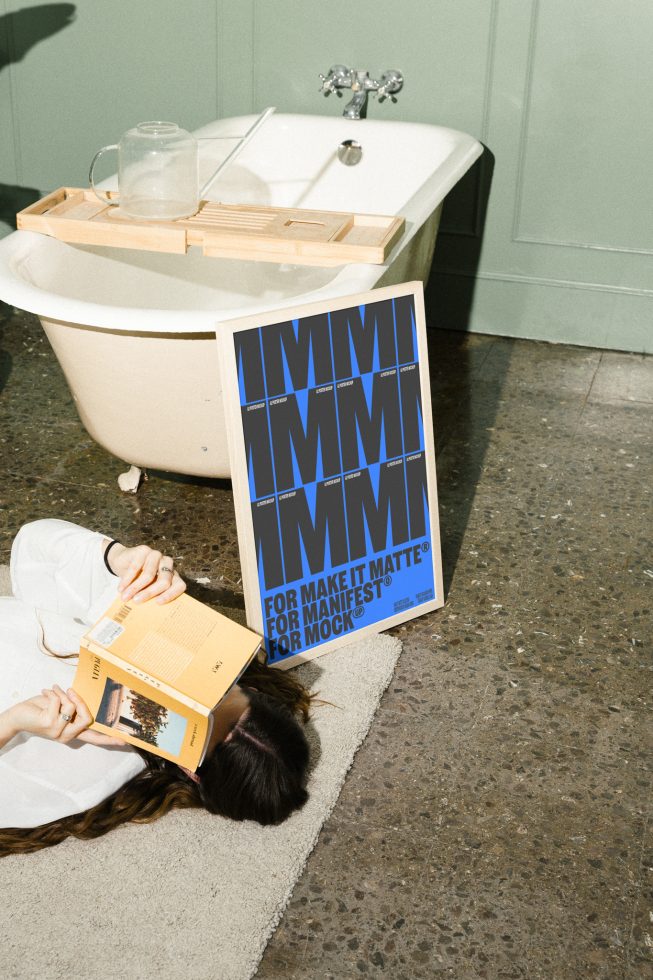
(191, 895)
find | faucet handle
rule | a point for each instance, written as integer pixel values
(327, 85)
(339, 77)
(391, 82)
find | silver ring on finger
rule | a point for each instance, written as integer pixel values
(62, 714)
(165, 568)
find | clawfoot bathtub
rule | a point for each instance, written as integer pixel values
(134, 331)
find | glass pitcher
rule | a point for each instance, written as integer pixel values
(158, 174)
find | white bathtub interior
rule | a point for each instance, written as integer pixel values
(117, 277)
(306, 146)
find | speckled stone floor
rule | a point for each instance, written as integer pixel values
(496, 821)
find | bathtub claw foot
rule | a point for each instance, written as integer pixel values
(130, 481)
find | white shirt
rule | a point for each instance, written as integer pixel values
(60, 587)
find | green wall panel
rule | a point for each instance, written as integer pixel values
(235, 57)
(572, 313)
(586, 175)
(549, 235)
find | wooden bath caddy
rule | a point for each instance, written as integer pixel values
(234, 231)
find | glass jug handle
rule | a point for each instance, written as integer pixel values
(105, 200)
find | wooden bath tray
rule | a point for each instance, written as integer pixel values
(235, 231)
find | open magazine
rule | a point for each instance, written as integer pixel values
(152, 674)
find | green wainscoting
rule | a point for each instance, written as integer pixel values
(549, 237)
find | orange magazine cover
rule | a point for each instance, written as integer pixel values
(152, 674)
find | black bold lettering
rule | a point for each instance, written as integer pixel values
(267, 544)
(417, 495)
(257, 448)
(310, 613)
(356, 420)
(405, 317)
(249, 363)
(319, 437)
(350, 330)
(366, 509)
(300, 528)
(312, 634)
(312, 343)
(411, 410)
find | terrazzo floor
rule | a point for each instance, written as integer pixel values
(496, 821)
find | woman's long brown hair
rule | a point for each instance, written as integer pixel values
(152, 793)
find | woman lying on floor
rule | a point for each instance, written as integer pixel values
(57, 777)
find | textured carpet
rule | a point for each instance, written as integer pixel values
(191, 895)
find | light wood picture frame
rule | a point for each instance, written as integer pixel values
(328, 414)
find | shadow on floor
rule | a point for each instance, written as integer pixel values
(224, 597)
(457, 357)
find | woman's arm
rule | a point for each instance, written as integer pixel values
(55, 714)
(58, 566)
(7, 730)
(144, 572)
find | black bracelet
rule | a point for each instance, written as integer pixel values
(106, 556)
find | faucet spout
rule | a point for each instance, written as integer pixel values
(357, 107)
(361, 86)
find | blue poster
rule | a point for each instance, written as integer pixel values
(332, 417)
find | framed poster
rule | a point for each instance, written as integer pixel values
(328, 414)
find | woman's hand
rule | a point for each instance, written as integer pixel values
(58, 715)
(144, 573)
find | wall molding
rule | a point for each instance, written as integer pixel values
(476, 229)
(487, 106)
(489, 70)
(543, 281)
(595, 246)
(525, 116)
(516, 236)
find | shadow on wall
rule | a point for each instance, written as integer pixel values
(19, 32)
(465, 394)
(452, 301)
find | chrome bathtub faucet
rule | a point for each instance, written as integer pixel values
(360, 83)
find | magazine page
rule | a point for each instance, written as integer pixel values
(184, 644)
(129, 709)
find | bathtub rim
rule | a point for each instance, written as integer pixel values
(19, 291)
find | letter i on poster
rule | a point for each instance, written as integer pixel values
(328, 414)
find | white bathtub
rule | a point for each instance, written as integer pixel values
(134, 331)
